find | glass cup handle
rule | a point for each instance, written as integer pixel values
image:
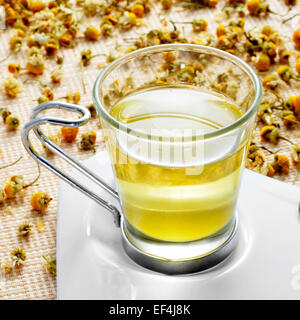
(34, 124)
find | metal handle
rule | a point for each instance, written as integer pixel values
(34, 124)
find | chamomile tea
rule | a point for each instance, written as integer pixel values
(185, 200)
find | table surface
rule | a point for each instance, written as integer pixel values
(32, 281)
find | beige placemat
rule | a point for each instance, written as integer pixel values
(32, 281)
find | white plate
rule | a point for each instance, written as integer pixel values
(91, 263)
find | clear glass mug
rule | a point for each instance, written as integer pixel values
(177, 189)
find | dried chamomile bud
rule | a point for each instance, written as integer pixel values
(18, 256)
(56, 75)
(40, 201)
(53, 138)
(15, 185)
(14, 68)
(295, 154)
(12, 122)
(73, 97)
(296, 38)
(91, 33)
(294, 104)
(69, 134)
(270, 133)
(12, 86)
(25, 228)
(4, 113)
(271, 81)
(88, 140)
(92, 110)
(286, 74)
(289, 119)
(6, 267)
(50, 264)
(281, 163)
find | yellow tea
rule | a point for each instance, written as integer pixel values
(167, 201)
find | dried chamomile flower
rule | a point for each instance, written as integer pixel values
(56, 75)
(138, 10)
(197, 24)
(88, 140)
(4, 113)
(11, 15)
(87, 56)
(281, 164)
(18, 180)
(73, 97)
(36, 40)
(12, 86)
(25, 228)
(253, 6)
(271, 81)
(92, 110)
(35, 5)
(290, 2)
(53, 138)
(59, 60)
(230, 37)
(50, 264)
(40, 226)
(294, 104)
(296, 38)
(272, 134)
(92, 7)
(107, 29)
(289, 119)
(91, 33)
(265, 114)
(40, 201)
(12, 122)
(18, 256)
(15, 43)
(284, 55)
(227, 83)
(259, 7)
(69, 134)
(127, 20)
(35, 63)
(6, 267)
(254, 153)
(42, 99)
(166, 4)
(295, 154)
(15, 185)
(286, 74)
(14, 68)
(262, 62)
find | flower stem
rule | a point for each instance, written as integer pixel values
(35, 180)
(11, 164)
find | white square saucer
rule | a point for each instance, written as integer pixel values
(91, 263)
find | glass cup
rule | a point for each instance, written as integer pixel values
(177, 172)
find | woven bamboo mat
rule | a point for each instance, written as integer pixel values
(33, 281)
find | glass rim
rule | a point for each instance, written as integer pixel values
(184, 47)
